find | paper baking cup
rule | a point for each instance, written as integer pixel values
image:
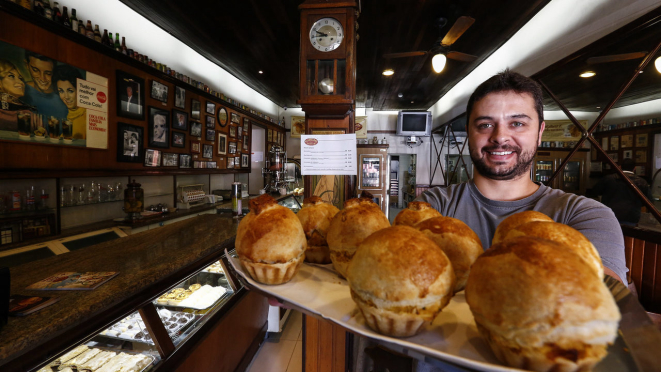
(273, 273)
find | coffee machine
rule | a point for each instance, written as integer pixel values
(275, 171)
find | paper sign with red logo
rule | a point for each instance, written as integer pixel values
(93, 97)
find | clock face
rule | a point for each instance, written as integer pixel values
(326, 34)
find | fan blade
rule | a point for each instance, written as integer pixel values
(458, 29)
(405, 54)
(461, 56)
(616, 58)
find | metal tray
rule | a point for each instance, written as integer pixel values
(55, 368)
(172, 330)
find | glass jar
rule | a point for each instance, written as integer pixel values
(134, 198)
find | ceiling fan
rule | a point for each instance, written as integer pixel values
(441, 48)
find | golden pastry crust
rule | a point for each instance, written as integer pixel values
(358, 220)
(276, 273)
(316, 216)
(458, 242)
(515, 220)
(400, 280)
(319, 254)
(540, 306)
(414, 213)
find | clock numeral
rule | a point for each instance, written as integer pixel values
(314, 43)
(326, 22)
(327, 49)
(339, 35)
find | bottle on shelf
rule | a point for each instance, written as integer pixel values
(43, 201)
(124, 46)
(81, 28)
(89, 32)
(38, 7)
(111, 42)
(74, 20)
(118, 47)
(57, 15)
(104, 38)
(91, 194)
(48, 11)
(63, 196)
(66, 21)
(29, 199)
(97, 34)
(15, 201)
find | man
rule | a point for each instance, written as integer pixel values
(40, 92)
(505, 125)
(160, 132)
(618, 196)
(129, 103)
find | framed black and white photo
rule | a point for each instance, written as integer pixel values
(232, 147)
(159, 128)
(211, 108)
(180, 97)
(130, 96)
(195, 129)
(230, 163)
(178, 139)
(246, 126)
(179, 120)
(238, 147)
(239, 131)
(211, 135)
(246, 142)
(152, 158)
(170, 159)
(222, 117)
(184, 161)
(244, 161)
(236, 118)
(207, 151)
(222, 144)
(211, 122)
(195, 147)
(129, 143)
(211, 164)
(232, 131)
(195, 108)
(159, 91)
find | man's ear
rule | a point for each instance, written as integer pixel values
(542, 125)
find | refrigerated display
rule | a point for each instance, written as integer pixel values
(574, 176)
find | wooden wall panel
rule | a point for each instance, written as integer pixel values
(324, 346)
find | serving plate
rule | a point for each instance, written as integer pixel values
(453, 338)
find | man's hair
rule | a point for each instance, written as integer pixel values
(504, 81)
(29, 54)
(628, 164)
(66, 73)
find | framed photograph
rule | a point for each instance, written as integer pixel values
(212, 164)
(246, 143)
(195, 108)
(246, 126)
(180, 98)
(211, 121)
(269, 136)
(170, 159)
(298, 126)
(641, 156)
(232, 147)
(159, 91)
(211, 108)
(152, 158)
(244, 161)
(222, 117)
(129, 143)
(179, 120)
(184, 161)
(178, 139)
(641, 140)
(236, 118)
(195, 147)
(615, 143)
(211, 135)
(232, 131)
(195, 129)
(239, 131)
(230, 163)
(640, 170)
(130, 96)
(627, 140)
(238, 147)
(627, 154)
(207, 151)
(237, 163)
(159, 128)
(604, 143)
(613, 156)
(222, 144)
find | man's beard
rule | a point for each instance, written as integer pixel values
(524, 160)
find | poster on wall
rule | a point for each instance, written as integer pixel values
(46, 101)
(361, 127)
(297, 126)
(562, 130)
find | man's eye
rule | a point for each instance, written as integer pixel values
(517, 124)
(484, 126)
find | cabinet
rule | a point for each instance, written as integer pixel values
(574, 176)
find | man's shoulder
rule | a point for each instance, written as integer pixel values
(565, 202)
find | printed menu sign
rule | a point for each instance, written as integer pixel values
(328, 154)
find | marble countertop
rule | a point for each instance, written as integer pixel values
(144, 261)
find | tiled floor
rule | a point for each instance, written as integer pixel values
(283, 352)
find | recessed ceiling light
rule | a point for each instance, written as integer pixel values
(657, 64)
(261, 72)
(598, 106)
(388, 72)
(400, 95)
(640, 72)
(412, 101)
(587, 74)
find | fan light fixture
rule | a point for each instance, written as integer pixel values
(388, 72)
(587, 74)
(438, 62)
(657, 64)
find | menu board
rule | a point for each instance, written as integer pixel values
(328, 154)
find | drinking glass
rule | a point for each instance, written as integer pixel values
(24, 123)
(67, 129)
(82, 195)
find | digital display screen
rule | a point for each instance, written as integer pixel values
(414, 122)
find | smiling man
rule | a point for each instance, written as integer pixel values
(40, 91)
(505, 126)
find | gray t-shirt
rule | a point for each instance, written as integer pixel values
(594, 220)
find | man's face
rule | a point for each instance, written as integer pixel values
(129, 91)
(41, 72)
(159, 126)
(503, 135)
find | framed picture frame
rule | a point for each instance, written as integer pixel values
(130, 96)
(231, 147)
(246, 143)
(207, 151)
(641, 140)
(159, 128)
(211, 108)
(222, 144)
(179, 120)
(170, 159)
(235, 118)
(222, 116)
(195, 147)
(245, 161)
(615, 143)
(246, 126)
(269, 136)
(627, 154)
(212, 164)
(159, 91)
(184, 161)
(626, 140)
(180, 97)
(230, 163)
(641, 156)
(210, 135)
(130, 139)
(195, 129)
(239, 145)
(239, 131)
(195, 109)
(178, 139)
(232, 131)
(237, 162)
(297, 126)
(211, 121)
(152, 158)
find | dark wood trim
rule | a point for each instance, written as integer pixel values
(642, 234)
(157, 330)
(382, 131)
(252, 350)
(369, 146)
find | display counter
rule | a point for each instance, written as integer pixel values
(151, 265)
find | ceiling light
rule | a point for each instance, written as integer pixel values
(400, 95)
(261, 72)
(388, 72)
(412, 101)
(587, 74)
(598, 106)
(438, 62)
(657, 64)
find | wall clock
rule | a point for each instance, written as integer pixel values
(326, 34)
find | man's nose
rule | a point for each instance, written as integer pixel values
(500, 134)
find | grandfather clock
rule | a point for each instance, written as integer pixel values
(328, 98)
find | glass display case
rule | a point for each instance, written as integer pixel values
(292, 202)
